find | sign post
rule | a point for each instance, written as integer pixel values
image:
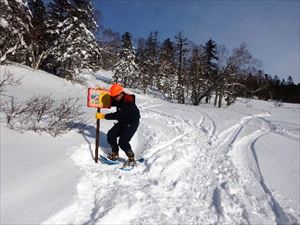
(97, 137)
(98, 98)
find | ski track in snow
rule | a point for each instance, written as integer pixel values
(226, 186)
(237, 145)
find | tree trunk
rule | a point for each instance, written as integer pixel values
(220, 98)
(216, 99)
(180, 98)
(207, 99)
(40, 59)
(227, 101)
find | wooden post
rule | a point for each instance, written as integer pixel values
(97, 137)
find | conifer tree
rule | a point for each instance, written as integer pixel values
(15, 25)
(181, 61)
(86, 14)
(88, 26)
(256, 84)
(126, 69)
(152, 48)
(39, 46)
(210, 51)
(75, 45)
(141, 54)
(58, 13)
(167, 68)
(148, 60)
(197, 80)
(290, 81)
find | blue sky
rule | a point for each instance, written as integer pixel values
(270, 28)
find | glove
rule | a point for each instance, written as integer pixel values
(100, 116)
(99, 87)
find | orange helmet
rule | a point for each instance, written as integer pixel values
(115, 90)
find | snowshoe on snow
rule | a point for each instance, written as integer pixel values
(131, 163)
(108, 161)
(113, 156)
(128, 165)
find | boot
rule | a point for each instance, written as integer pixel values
(131, 161)
(113, 156)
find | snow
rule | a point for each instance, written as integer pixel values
(28, 175)
(4, 2)
(3, 23)
(203, 165)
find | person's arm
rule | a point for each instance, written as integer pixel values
(113, 102)
(121, 114)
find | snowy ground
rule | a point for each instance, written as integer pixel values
(203, 165)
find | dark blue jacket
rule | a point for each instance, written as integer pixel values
(127, 111)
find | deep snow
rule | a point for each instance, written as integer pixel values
(236, 165)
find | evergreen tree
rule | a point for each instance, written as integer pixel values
(269, 92)
(39, 46)
(75, 45)
(265, 87)
(292, 91)
(167, 68)
(211, 69)
(86, 14)
(126, 69)
(152, 55)
(181, 61)
(256, 86)
(290, 81)
(58, 12)
(283, 90)
(211, 56)
(196, 79)
(15, 25)
(126, 41)
(143, 80)
(148, 60)
(276, 88)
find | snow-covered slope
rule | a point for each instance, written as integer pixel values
(203, 165)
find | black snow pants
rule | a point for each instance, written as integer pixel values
(125, 132)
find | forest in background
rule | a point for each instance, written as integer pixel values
(66, 37)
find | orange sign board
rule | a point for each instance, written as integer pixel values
(98, 98)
